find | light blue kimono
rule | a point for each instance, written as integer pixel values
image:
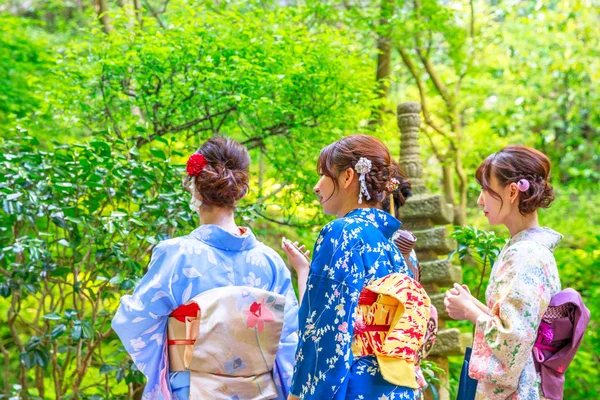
(350, 253)
(184, 267)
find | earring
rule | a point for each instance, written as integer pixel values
(195, 203)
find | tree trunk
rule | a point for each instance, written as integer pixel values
(460, 213)
(384, 56)
(102, 9)
(460, 216)
(261, 173)
(137, 5)
(448, 181)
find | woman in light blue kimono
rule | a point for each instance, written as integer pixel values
(351, 252)
(218, 254)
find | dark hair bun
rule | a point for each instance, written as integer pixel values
(224, 180)
(346, 152)
(539, 195)
(376, 181)
(514, 163)
(401, 193)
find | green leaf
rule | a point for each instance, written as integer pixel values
(26, 359)
(61, 272)
(41, 356)
(70, 313)
(5, 290)
(58, 330)
(76, 331)
(13, 196)
(158, 154)
(126, 284)
(88, 331)
(120, 375)
(52, 316)
(106, 369)
(115, 280)
(30, 288)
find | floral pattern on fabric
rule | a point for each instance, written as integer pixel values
(350, 253)
(401, 305)
(180, 269)
(522, 282)
(235, 350)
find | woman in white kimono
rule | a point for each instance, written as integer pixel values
(514, 184)
(244, 310)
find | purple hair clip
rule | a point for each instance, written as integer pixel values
(523, 185)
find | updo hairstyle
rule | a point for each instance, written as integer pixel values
(224, 180)
(516, 162)
(400, 194)
(345, 153)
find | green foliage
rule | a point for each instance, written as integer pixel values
(483, 247)
(547, 66)
(261, 76)
(24, 66)
(77, 225)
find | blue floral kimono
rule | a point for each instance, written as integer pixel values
(184, 267)
(350, 253)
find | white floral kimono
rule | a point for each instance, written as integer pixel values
(183, 268)
(522, 282)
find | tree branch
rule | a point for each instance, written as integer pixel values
(141, 140)
(155, 14)
(427, 117)
(107, 108)
(285, 223)
(439, 85)
(275, 130)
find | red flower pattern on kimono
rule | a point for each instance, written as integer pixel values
(258, 314)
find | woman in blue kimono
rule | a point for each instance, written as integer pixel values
(217, 254)
(350, 252)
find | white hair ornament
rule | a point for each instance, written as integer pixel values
(195, 202)
(363, 167)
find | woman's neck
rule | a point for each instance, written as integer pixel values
(221, 217)
(522, 222)
(352, 206)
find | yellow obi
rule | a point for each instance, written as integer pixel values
(391, 322)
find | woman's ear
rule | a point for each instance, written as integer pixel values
(347, 177)
(513, 192)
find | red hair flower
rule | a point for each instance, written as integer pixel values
(195, 164)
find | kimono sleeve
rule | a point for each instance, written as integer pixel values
(504, 340)
(284, 360)
(141, 320)
(324, 355)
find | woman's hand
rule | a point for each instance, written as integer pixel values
(297, 255)
(460, 305)
(298, 259)
(479, 304)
